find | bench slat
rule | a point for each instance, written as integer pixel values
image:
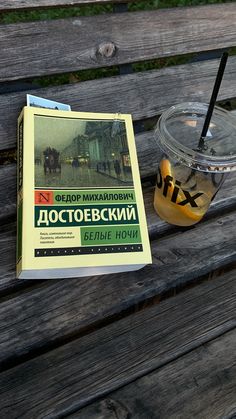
(225, 198)
(7, 195)
(144, 94)
(66, 378)
(199, 384)
(65, 45)
(63, 380)
(36, 4)
(81, 303)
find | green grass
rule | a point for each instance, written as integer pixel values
(57, 13)
(63, 12)
(160, 4)
(60, 12)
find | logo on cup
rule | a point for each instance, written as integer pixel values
(168, 183)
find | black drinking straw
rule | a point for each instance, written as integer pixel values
(215, 91)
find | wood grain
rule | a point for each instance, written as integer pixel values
(7, 5)
(82, 303)
(65, 379)
(65, 45)
(223, 202)
(148, 161)
(202, 384)
(143, 95)
(8, 256)
(7, 194)
(49, 313)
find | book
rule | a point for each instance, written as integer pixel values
(80, 208)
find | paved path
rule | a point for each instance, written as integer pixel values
(81, 177)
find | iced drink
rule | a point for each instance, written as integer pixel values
(188, 177)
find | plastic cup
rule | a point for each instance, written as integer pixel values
(188, 176)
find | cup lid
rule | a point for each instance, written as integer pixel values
(179, 129)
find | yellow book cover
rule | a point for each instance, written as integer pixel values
(80, 205)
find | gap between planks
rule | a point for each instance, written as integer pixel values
(200, 384)
(142, 94)
(85, 303)
(61, 45)
(66, 379)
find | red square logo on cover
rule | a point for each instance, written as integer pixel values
(43, 197)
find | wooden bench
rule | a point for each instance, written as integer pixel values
(118, 345)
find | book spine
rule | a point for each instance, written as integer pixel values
(20, 134)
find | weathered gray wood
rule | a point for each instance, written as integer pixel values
(225, 199)
(80, 303)
(144, 94)
(200, 384)
(65, 379)
(58, 46)
(7, 191)
(36, 4)
(8, 257)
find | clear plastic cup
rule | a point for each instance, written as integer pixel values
(190, 175)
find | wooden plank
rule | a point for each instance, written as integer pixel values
(82, 303)
(144, 94)
(65, 379)
(225, 199)
(7, 5)
(7, 195)
(200, 384)
(63, 45)
(8, 257)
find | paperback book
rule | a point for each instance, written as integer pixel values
(80, 205)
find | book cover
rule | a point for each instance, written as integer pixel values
(80, 205)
